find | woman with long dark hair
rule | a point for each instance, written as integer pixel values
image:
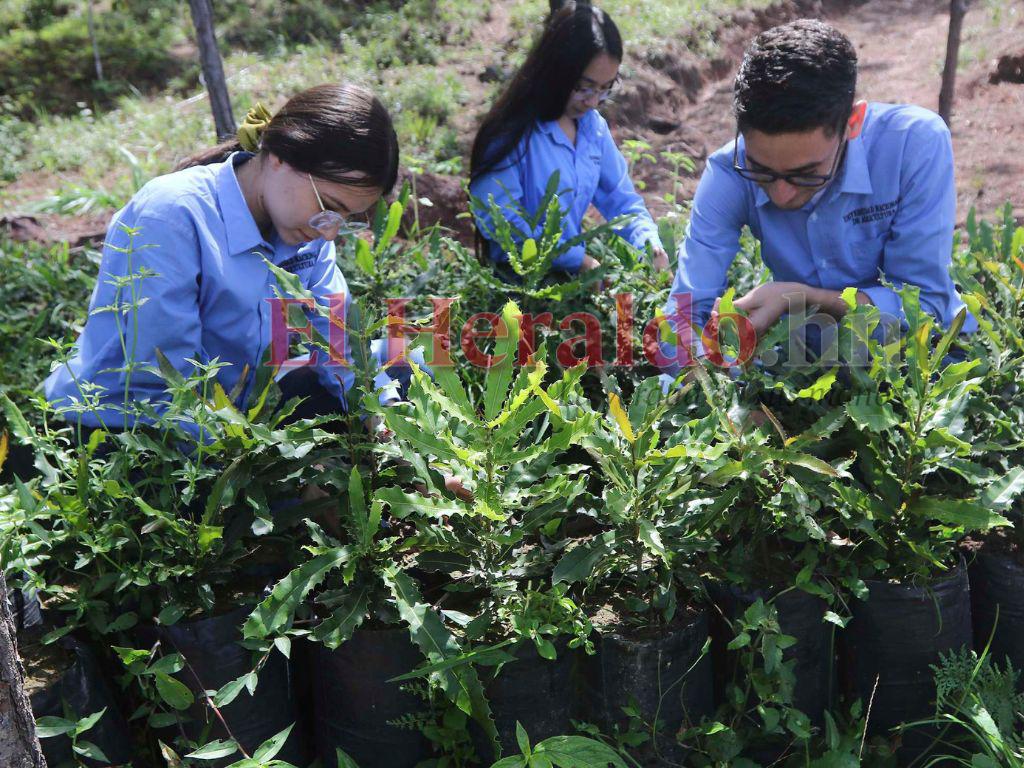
(184, 263)
(545, 121)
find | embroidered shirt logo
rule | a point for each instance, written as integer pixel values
(872, 212)
(295, 263)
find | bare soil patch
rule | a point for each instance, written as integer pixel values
(677, 100)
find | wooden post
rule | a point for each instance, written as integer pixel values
(91, 24)
(957, 10)
(19, 747)
(213, 68)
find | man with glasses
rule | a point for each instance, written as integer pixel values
(840, 193)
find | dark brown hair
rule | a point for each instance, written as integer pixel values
(330, 131)
(795, 78)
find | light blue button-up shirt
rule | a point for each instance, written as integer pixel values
(889, 214)
(207, 299)
(592, 171)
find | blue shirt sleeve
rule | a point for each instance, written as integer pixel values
(616, 196)
(920, 245)
(163, 256)
(718, 215)
(503, 184)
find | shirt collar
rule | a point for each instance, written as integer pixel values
(242, 233)
(856, 177)
(584, 127)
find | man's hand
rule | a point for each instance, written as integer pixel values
(660, 260)
(767, 303)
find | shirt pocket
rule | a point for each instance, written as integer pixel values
(864, 258)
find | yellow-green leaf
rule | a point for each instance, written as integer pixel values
(617, 412)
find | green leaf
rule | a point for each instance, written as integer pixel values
(170, 374)
(339, 626)
(834, 618)
(89, 750)
(412, 434)
(173, 692)
(284, 646)
(168, 665)
(88, 722)
(123, 622)
(481, 656)
(47, 727)
(965, 514)
(391, 228)
(344, 761)
(170, 614)
(1001, 493)
(652, 539)
(19, 426)
(806, 461)
(402, 504)
(461, 685)
(269, 748)
(130, 656)
(578, 752)
(207, 535)
(229, 691)
(868, 413)
(578, 563)
(215, 750)
(821, 387)
(742, 640)
(522, 739)
(276, 613)
(364, 257)
(499, 375)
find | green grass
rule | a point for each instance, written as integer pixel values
(407, 53)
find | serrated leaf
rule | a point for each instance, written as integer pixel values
(870, 414)
(276, 613)
(346, 618)
(461, 685)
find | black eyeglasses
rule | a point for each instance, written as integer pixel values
(796, 179)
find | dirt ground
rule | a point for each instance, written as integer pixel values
(678, 101)
(901, 46)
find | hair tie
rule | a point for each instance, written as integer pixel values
(256, 120)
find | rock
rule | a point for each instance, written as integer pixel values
(1009, 69)
(492, 73)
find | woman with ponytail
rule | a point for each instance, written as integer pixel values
(545, 121)
(189, 253)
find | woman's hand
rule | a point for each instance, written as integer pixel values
(660, 261)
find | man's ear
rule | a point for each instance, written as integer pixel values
(856, 121)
